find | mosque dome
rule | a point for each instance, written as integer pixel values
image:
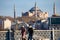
(35, 8)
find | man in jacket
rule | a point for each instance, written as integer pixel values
(30, 31)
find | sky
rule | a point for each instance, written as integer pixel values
(7, 6)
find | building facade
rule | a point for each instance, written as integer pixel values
(7, 24)
(54, 20)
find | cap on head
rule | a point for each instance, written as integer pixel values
(30, 26)
(22, 26)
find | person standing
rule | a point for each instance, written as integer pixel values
(30, 31)
(23, 31)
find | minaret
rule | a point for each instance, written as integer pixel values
(22, 13)
(35, 9)
(14, 13)
(54, 9)
(15, 20)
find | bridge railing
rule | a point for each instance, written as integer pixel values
(38, 34)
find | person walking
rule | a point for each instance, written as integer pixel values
(23, 31)
(30, 31)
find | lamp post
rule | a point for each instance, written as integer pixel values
(53, 33)
(10, 33)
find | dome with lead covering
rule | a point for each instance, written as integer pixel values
(35, 8)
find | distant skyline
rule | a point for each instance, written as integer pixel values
(7, 6)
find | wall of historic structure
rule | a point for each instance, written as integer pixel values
(38, 35)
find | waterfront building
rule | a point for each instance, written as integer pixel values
(54, 20)
(7, 24)
(1, 22)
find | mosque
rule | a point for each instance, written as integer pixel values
(36, 12)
